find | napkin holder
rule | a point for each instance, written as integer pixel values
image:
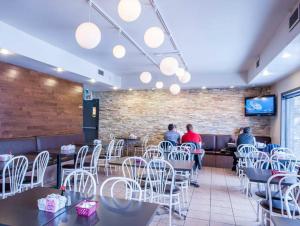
(86, 208)
(5, 157)
(68, 149)
(52, 203)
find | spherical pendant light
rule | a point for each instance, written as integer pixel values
(159, 85)
(129, 10)
(185, 78)
(154, 37)
(145, 77)
(119, 51)
(168, 66)
(88, 35)
(180, 72)
(175, 89)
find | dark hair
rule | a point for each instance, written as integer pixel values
(170, 127)
(247, 130)
(189, 127)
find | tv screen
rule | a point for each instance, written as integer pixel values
(260, 106)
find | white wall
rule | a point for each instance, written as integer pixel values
(291, 82)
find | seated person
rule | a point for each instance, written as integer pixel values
(171, 135)
(195, 138)
(246, 137)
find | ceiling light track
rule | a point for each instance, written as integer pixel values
(101, 12)
(167, 31)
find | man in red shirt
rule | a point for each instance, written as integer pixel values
(195, 138)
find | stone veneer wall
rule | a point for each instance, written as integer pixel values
(212, 111)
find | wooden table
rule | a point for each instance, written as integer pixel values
(179, 165)
(22, 210)
(283, 221)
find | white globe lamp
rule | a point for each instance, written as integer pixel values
(145, 77)
(88, 35)
(180, 72)
(154, 37)
(129, 10)
(168, 66)
(159, 85)
(175, 89)
(119, 51)
(185, 78)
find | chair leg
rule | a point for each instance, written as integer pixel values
(257, 211)
(62, 177)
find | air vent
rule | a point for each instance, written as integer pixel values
(100, 72)
(294, 19)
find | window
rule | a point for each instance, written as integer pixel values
(291, 120)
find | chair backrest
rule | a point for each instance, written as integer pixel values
(145, 141)
(291, 199)
(253, 156)
(188, 147)
(165, 146)
(288, 160)
(261, 164)
(179, 155)
(281, 149)
(82, 181)
(246, 148)
(119, 148)
(279, 179)
(132, 188)
(109, 150)
(152, 152)
(14, 170)
(162, 177)
(112, 136)
(135, 168)
(81, 155)
(39, 168)
(95, 156)
(97, 141)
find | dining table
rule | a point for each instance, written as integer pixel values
(22, 210)
(284, 221)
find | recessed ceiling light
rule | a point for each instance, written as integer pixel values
(231, 87)
(92, 80)
(5, 52)
(266, 72)
(286, 55)
(59, 69)
(115, 88)
(130, 89)
(203, 87)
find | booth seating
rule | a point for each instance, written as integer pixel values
(217, 153)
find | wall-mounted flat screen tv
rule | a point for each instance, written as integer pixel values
(260, 106)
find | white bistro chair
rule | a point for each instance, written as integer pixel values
(82, 181)
(104, 161)
(153, 152)
(38, 171)
(292, 198)
(92, 166)
(14, 173)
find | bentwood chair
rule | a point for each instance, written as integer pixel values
(135, 168)
(38, 171)
(79, 162)
(165, 146)
(292, 198)
(82, 181)
(14, 172)
(140, 149)
(288, 160)
(105, 162)
(152, 152)
(281, 150)
(118, 149)
(162, 184)
(132, 189)
(92, 166)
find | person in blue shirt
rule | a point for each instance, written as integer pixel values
(171, 135)
(246, 137)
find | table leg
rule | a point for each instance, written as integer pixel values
(58, 172)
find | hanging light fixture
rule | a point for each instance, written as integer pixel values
(168, 66)
(180, 72)
(159, 84)
(129, 10)
(175, 89)
(154, 37)
(185, 78)
(88, 35)
(119, 51)
(145, 77)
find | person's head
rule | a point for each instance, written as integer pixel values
(247, 130)
(170, 127)
(189, 127)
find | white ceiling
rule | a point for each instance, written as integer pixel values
(218, 39)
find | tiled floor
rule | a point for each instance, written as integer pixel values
(218, 201)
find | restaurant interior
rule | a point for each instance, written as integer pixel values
(150, 112)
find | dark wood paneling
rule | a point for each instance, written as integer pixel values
(223, 161)
(33, 103)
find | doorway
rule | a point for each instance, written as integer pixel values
(90, 120)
